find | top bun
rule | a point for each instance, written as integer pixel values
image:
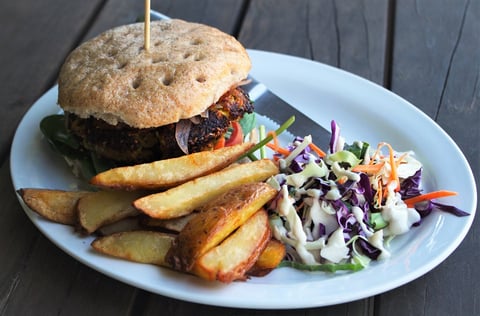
(188, 67)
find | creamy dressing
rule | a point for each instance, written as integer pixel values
(333, 194)
(377, 241)
(358, 213)
(335, 250)
(311, 169)
(286, 209)
(342, 172)
(399, 217)
(408, 167)
(319, 215)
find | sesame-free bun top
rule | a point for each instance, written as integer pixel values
(188, 67)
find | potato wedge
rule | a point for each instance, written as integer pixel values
(106, 207)
(170, 172)
(185, 198)
(230, 260)
(56, 205)
(269, 259)
(219, 219)
(173, 224)
(138, 246)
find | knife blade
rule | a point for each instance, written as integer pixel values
(268, 104)
(271, 105)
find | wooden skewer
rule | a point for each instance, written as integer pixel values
(147, 26)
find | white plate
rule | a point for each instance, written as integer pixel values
(366, 112)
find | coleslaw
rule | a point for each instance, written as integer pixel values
(339, 210)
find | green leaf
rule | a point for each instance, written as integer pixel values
(326, 267)
(248, 122)
(64, 143)
(54, 129)
(269, 138)
(377, 221)
(343, 157)
(357, 150)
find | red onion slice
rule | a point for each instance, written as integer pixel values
(182, 131)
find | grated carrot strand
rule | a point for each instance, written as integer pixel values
(428, 196)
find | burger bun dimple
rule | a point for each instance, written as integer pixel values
(188, 67)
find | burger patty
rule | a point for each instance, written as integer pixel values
(127, 145)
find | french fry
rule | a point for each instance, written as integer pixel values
(56, 205)
(138, 246)
(106, 207)
(218, 220)
(185, 198)
(269, 259)
(230, 260)
(170, 172)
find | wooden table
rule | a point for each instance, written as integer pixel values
(426, 51)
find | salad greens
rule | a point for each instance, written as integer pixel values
(338, 210)
(84, 164)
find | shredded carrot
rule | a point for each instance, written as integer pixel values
(342, 180)
(276, 157)
(379, 193)
(316, 149)
(220, 143)
(393, 166)
(385, 190)
(275, 146)
(369, 169)
(428, 196)
(274, 138)
(278, 149)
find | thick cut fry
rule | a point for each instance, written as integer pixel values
(219, 219)
(230, 260)
(170, 172)
(55, 205)
(269, 259)
(185, 198)
(173, 224)
(138, 246)
(106, 207)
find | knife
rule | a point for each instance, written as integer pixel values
(272, 106)
(268, 104)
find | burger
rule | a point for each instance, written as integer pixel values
(124, 104)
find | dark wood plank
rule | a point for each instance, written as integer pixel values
(441, 77)
(32, 50)
(347, 34)
(175, 307)
(220, 14)
(37, 277)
